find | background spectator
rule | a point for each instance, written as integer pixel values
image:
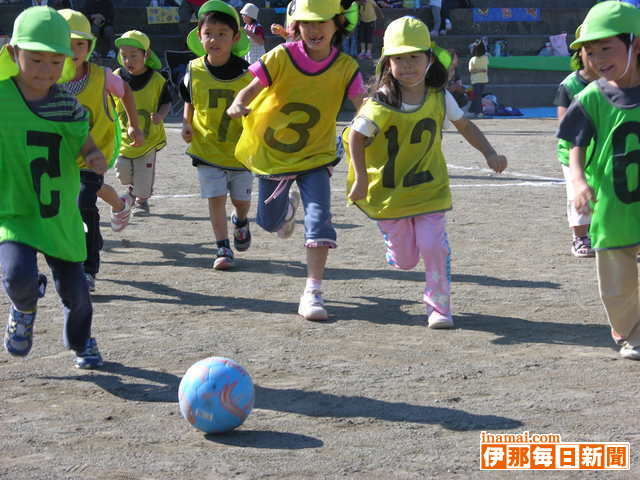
(185, 12)
(369, 12)
(100, 14)
(478, 68)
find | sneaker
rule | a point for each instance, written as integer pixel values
(119, 220)
(140, 209)
(241, 235)
(18, 337)
(111, 54)
(443, 32)
(312, 306)
(89, 357)
(42, 285)
(289, 225)
(224, 259)
(91, 281)
(438, 321)
(581, 247)
(630, 352)
(447, 24)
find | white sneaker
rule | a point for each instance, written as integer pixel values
(312, 306)
(629, 352)
(447, 24)
(119, 220)
(439, 321)
(289, 225)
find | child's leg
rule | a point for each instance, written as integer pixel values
(218, 217)
(124, 171)
(618, 285)
(144, 173)
(400, 243)
(578, 222)
(20, 275)
(272, 215)
(90, 184)
(72, 287)
(432, 241)
(109, 195)
(240, 186)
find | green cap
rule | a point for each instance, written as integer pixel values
(137, 39)
(608, 19)
(39, 29)
(239, 49)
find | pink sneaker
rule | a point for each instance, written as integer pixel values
(119, 220)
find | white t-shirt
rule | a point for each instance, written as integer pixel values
(452, 113)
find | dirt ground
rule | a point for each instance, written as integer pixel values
(370, 394)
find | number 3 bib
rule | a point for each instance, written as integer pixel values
(406, 169)
(292, 124)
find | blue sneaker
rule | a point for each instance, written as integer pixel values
(89, 357)
(18, 337)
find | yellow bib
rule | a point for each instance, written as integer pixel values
(95, 98)
(147, 102)
(215, 134)
(405, 166)
(292, 124)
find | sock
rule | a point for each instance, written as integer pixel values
(240, 223)
(223, 243)
(313, 284)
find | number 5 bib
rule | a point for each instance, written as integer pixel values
(292, 124)
(405, 166)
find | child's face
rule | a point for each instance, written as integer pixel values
(247, 19)
(609, 56)
(409, 69)
(80, 50)
(133, 59)
(589, 68)
(317, 37)
(39, 71)
(217, 39)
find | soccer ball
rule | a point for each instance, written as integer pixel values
(216, 395)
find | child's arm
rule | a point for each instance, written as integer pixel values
(360, 185)
(244, 97)
(357, 102)
(187, 118)
(129, 103)
(477, 140)
(161, 114)
(583, 192)
(93, 157)
(279, 30)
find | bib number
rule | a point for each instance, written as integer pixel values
(413, 177)
(626, 166)
(222, 94)
(301, 128)
(46, 165)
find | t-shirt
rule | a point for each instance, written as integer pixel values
(308, 65)
(563, 96)
(368, 12)
(114, 85)
(235, 67)
(452, 113)
(138, 82)
(59, 106)
(481, 66)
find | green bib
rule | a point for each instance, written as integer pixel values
(39, 179)
(574, 85)
(614, 167)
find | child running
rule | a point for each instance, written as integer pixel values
(289, 132)
(93, 86)
(607, 113)
(44, 129)
(210, 85)
(398, 175)
(136, 165)
(254, 30)
(568, 88)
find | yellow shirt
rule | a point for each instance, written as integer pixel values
(215, 134)
(479, 68)
(405, 165)
(368, 12)
(292, 124)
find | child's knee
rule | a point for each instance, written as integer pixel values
(21, 285)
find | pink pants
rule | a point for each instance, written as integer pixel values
(424, 236)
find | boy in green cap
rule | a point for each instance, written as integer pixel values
(607, 111)
(136, 165)
(44, 129)
(211, 83)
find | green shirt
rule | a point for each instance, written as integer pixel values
(572, 85)
(39, 178)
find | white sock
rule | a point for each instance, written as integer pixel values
(313, 284)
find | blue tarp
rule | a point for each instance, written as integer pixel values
(506, 15)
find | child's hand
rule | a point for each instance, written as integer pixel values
(95, 161)
(136, 136)
(582, 196)
(496, 162)
(156, 118)
(278, 29)
(187, 132)
(359, 189)
(237, 110)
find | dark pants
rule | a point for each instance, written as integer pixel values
(19, 266)
(476, 103)
(90, 183)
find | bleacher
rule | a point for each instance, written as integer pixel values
(521, 88)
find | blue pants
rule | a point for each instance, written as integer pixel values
(90, 183)
(315, 191)
(19, 266)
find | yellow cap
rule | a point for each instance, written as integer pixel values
(79, 26)
(313, 10)
(137, 39)
(406, 35)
